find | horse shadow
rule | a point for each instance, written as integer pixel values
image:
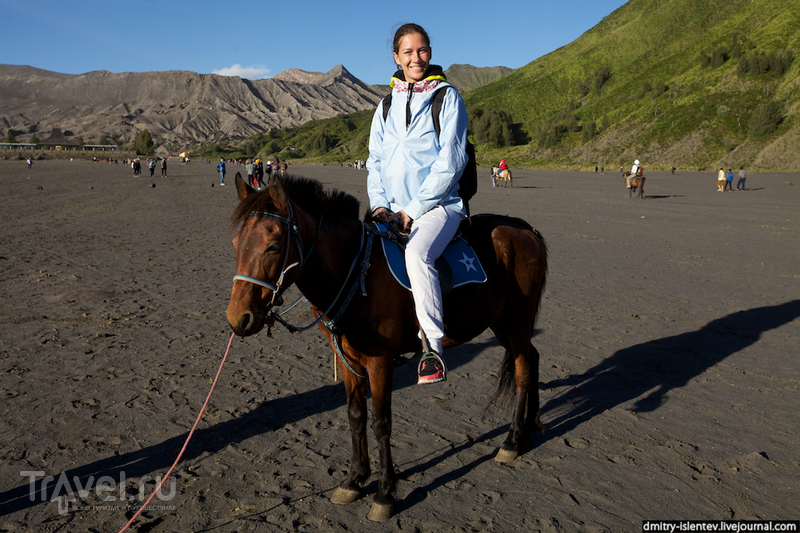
(658, 366)
(661, 197)
(649, 371)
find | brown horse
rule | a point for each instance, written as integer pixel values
(297, 233)
(635, 183)
(503, 175)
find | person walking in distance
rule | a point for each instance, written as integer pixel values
(742, 178)
(221, 167)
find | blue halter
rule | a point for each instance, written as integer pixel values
(277, 292)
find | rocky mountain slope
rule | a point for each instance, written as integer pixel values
(175, 106)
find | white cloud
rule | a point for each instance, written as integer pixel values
(254, 72)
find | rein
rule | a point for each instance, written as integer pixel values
(277, 288)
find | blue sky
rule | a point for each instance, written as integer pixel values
(257, 39)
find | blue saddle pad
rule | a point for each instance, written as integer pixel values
(457, 266)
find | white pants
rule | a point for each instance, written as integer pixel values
(430, 235)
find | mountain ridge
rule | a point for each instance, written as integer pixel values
(175, 106)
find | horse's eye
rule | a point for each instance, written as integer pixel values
(273, 248)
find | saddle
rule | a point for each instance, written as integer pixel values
(458, 264)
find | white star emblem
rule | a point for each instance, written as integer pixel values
(468, 262)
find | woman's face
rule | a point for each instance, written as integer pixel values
(413, 56)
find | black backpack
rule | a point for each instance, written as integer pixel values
(468, 182)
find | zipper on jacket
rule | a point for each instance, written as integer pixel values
(408, 105)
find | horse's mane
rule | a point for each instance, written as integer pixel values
(307, 193)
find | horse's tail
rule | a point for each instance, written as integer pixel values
(506, 386)
(503, 398)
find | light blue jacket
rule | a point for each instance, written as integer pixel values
(410, 168)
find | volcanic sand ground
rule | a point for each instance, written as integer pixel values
(669, 333)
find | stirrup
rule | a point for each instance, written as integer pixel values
(431, 354)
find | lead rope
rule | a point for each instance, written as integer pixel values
(185, 444)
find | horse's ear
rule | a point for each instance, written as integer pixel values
(242, 187)
(278, 194)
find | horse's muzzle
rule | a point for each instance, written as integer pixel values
(248, 323)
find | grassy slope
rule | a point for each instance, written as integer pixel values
(467, 77)
(652, 40)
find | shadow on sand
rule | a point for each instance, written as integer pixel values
(659, 366)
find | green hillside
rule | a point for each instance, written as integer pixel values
(467, 77)
(665, 81)
(687, 83)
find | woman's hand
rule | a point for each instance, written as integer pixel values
(405, 220)
(382, 215)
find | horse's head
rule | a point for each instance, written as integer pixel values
(267, 260)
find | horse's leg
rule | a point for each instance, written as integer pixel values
(533, 420)
(381, 373)
(517, 367)
(356, 388)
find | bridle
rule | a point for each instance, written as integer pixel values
(367, 234)
(277, 287)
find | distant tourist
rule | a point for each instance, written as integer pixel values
(164, 167)
(636, 171)
(259, 175)
(742, 177)
(221, 168)
(729, 180)
(721, 180)
(250, 168)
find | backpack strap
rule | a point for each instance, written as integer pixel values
(436, 107)
(387, 103)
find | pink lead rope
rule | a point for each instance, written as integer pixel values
(185, 444)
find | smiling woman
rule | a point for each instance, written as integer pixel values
(412, 51)
(414, 167)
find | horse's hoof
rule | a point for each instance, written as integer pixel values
(344, 496)
(380, 512)
(505, 456)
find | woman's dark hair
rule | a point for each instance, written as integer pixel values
(407, 29)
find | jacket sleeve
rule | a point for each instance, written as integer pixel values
(442, 181)
(375, 188)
